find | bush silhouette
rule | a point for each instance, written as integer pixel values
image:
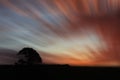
(28, 56)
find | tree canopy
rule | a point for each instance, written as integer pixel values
(28, 56)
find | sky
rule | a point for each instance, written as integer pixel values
(74, 32)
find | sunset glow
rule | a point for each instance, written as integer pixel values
(75, 32)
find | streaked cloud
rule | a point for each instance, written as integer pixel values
(76, 32)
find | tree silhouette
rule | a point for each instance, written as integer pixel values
(28, 56)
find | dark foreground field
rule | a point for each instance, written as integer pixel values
(59, 72)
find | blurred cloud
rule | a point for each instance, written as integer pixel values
(76, 32)
(7, 56)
